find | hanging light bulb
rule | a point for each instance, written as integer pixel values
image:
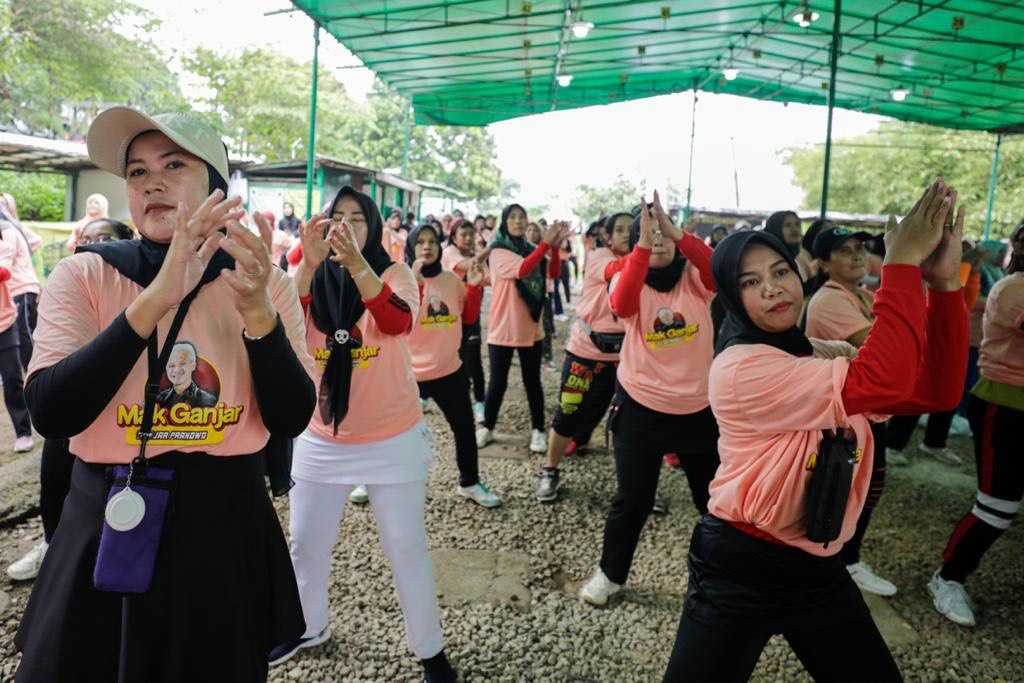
(564, 80)
(805, 16)
(581, 28)
(899, 94)
(731, 73)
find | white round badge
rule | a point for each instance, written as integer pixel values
(341, 336)
(125, 510)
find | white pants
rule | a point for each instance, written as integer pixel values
(315, 515)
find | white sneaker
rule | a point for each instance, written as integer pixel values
(538, 441)
(23, 444)
(425, 405)
(866, 578)
(943, 455)
(481, 495)
(359, 495)
(27, 567)
(894, 457)
(561, 317)
(598, 589)
(951, 600)
(478, 412)
(960, 426)
(483, 437)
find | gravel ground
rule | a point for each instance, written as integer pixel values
(559, 639)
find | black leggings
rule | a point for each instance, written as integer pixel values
(27, 315)
(529, 365)
(451, 394)
(469, 352)
(12, 375)
(1000, 470)
(54, 483)
(743, 590)
(587, 390)
(641, 437)
(936, 431)
(851, 549)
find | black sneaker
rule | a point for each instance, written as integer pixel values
(660, 505)
(438, 669)
(282, 653)
(547, 485)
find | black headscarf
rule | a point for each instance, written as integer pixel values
(140, 260)
(336, 306)
(431, 269)
(773, 226)
(659, 279)
(738, 328)
(531, 287)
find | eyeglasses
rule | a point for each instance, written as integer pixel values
(97, 239)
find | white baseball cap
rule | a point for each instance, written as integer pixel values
(114, 129)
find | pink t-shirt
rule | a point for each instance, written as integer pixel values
(835, 312)
(394, 243)
(593, 308)
(451, 257)
(771, 407)
(82, 297)
(668, 347)
(383, 399)
(510, 323)
(23, 274)
(1002, 348)
(437, 333)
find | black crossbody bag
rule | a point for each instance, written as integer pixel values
(829, 488)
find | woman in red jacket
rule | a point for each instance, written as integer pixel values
(792, 411)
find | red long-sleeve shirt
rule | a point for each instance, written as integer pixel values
(391, 314)
(625, 298)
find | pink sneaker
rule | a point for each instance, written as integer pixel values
(672, 460)
(23, 444)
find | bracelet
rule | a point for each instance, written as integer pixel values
(245, 334)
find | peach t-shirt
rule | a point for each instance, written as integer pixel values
(835, 312)
(668, 347)
(394, 243)
(451, 257)
(383, 399)
(771, 407)
(82, 297)
(8, 254)
(593, 308)
(23, 274)
(1002, 347)
(437, 332)
(510, 323)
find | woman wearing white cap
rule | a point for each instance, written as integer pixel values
(186, 535)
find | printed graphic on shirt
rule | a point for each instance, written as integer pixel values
(437, 313)
(669, 329)
(188, 411)
(361, 355)
(576, 385)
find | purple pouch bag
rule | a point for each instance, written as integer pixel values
(126, 559)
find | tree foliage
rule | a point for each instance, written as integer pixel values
(55, 55)
(40, 196)
(885, 170)
(593, 202)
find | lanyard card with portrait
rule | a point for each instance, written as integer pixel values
(829, 487)
(139, 492)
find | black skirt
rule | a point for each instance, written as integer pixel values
(223, 591)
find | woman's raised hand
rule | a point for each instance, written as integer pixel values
(919, 233)
(314, 247)
(346, 248)
(648, 224)
(195, 241)
(475, 274)
(553, 234)
(665, 224)
(249, 278)
(942, 268)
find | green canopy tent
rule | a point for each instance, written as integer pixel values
(950, 63)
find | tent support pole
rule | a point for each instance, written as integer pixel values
(408, 139)
(693, 137)
(311, 147)
(833, 67)
(992, 186)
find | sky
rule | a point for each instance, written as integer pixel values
(738, 142)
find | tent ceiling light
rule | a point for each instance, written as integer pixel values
(564, 80)
(581, 29)
(731, 73)
(899, 94)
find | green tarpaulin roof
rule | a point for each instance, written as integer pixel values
(472, 62)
